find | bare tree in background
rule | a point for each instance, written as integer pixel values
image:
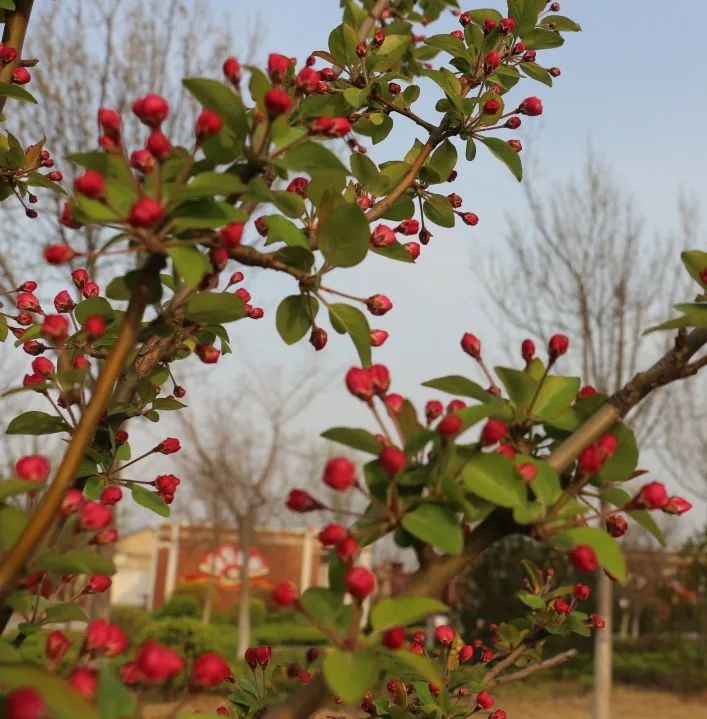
(134, 48)
(238, 460)
(584, 264)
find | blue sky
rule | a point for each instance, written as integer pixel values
(629, 86)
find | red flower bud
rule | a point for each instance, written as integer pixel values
(232, 71)
(299, 186)
(581, 591)
(57, 645)
(111, 495)
(590, 460)
(167, 483)
(484, 700)
(392, 460)
(408, 227)
(445, 635)
(278, 65)
(158, 144)
(528, 472)
(168, 446)
(55, 328)
(207, 353)
(450, 426)
(493, 431)
(557, 346)
(531, 106)
(527, 350)
(300, 501)
(209, 670)
(492, 61)
(94, 326)
(156, 662)
(433, 409)
(471, 344)
(32, 468)
(207, 124)
(382, 236)
(515, 145)
(60, 253)
(394, 638)
(583, 558)
(20, 76)
(616, 525)
(332, 534)
(318, 338)
(597, 621)
(72, 502)
(466, 653)
(413, 249)
(507, 25)
(91, 183)
(152, 110)
(339, 473)
(63, 302)
(378, 337)
(562, 607)
(360, 383)
(347, 549)
(676, 505)
(263, 655)
(284, 594)
(488, 25)
(146, 212)
(97, 584)
(380, 378)
(491, 107)
(360, 582)
(307, 80)
(94, 515)
(277, 102)
(394, 402)
(143, 161)
(651, 496)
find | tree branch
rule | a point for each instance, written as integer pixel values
(46, 513)
(14, 35)
(532, 668)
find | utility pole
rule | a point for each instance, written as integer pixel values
(602, 650)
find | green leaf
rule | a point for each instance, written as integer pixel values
(150, 500)
(543, 39)
(493, 478)
(561, 23)
(36, 179)
(323, 603)
(3, 328)
(645, 519)
(62, 700)
(313, 157)
(121, 288)
(215, 308)
(94, 306)
(439, 210)
(698, 318)
(460, 386)
(506, 154)
(622, 464)
(35, 422)
(12, 487)
(75, 561)
(389, 53)
(453, 45)
(203, 214)
(443, 160)
(421, 665)
(190, 264)
(546, 485)
(436, 525)
(695, 262)
(12, 523)
(342, 45)
(208, 184)
(606, 547)
(556, 394)
(359, 439)
(294, 316)
(349, 674)
(535, 72)
(471, 415)
(344, 235)
(364, 169)
(403, 611)
(16, 92)
(350, 320)
(216, 96)
(7, 4)
(519, 386)
(112, 697)
(281, 229)
(525, 13)
(531, 600)
(108, 165)
(65, 612)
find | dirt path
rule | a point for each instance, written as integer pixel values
(547, 701)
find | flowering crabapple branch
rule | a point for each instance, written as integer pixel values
(674, 365)
(13, 35)
(524, 673)
(46, 512)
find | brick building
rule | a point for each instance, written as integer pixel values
(155, 560)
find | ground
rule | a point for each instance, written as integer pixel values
(545, 701)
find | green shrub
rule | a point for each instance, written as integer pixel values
(192, 637)
(196, 590)
(258, 612)
(132, 620)
(287, 634)
(178, 606)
